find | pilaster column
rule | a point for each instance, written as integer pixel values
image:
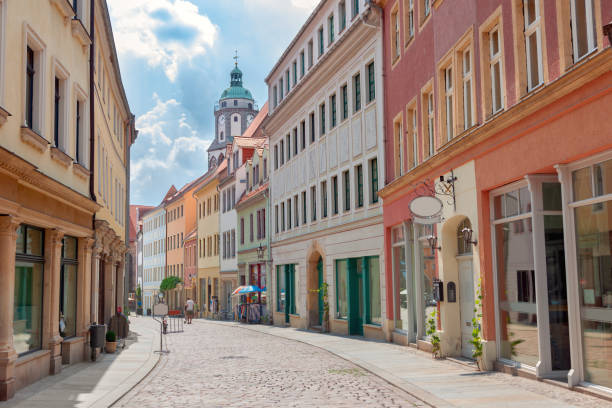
(120, 283)
(8, 240)
(96, 255)
(109, 285)
(84, 286)
(53, 255)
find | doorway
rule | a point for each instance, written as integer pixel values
(355, 295)
(466, 297)
(319, 286)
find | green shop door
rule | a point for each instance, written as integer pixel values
(289, 291)
(320, 284)
(355, 296)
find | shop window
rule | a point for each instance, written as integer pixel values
(28, 300)
(341, 289)
(68, 287)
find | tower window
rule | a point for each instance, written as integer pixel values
(250, 106)
(235, 102)
(223, 104)
(235, 118)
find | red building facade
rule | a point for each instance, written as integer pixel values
(499, 110)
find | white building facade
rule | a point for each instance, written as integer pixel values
(154, 256)
(326, 148)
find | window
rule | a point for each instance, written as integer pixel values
(395, 33)
(282, 90)
(251, 227)
(296, 207)
(310, 54)
(398, 136)
(321, 43)
(242, 230)
(29, 282)
(282, 214)
(233, 245)
(265, 169)
(275, 157)
(346, 178)
(359, 184)
(58, 112)
(533, 42)
(495, 68)
(288, 83)
(342, 16)
(304, 217)
(371, 83)
(275, 96)
(330, 30)
(324, 199)
(303, 133)
(68, 286)
(468, 101)
(288, 138)
(355, 8)
(282, 152)
(322, 119)
(334, 186)
(344, 91)
(79, 136)
(276, 218)
(235, 104)
(584, 36)
(447, 74)
(302, 64)
(332, 103)
(311, 118)
(374, 180)
(357, 92)
(341, 289)
(425, 10)
(295, 142)
(313, 203)
(428, 124)
(294, 73)
(408, 20)
(289, 217)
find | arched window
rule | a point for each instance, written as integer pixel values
(213, 162)
(221, 136)
(463, 248)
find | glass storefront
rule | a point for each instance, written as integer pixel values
(593, 227)
(426, 270)
(341, 289)
(374, 304)
(27, 306)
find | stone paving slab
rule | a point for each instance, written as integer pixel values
(95, 384)
(440, 383)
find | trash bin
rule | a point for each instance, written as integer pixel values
(96, 335)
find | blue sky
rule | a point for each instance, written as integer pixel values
(175, 58)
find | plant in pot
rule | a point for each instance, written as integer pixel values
(111, 341)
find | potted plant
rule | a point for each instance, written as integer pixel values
(111, 341)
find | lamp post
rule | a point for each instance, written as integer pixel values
(433, 242)
(467, 236)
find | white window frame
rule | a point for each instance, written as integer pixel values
(430, 122)
(81, 96)
(60, 71)
(533, 29)
(449, 102)
(396, 34)
(495, 59)
(467, 81)
(590, 30)
(32, 40)
(411, 18)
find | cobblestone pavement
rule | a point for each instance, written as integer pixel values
(211, 365)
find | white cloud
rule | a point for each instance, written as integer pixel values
(164, 32)
(305, 4)
(168, 151)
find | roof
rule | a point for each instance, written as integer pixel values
(136, 212)
(186, 188)
(246, 197)
(236, 92)
(191, 235)
(252, 129)
(169, 194)
(212, 173)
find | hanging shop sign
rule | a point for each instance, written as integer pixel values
(426, 209)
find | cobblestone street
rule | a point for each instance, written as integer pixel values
(211, 365)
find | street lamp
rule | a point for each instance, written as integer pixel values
(467, 236)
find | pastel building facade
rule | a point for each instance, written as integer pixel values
(326, 142)
(153, 256)
(507, 104)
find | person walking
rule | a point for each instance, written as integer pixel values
(189, 308)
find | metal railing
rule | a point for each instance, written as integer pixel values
(173, 324)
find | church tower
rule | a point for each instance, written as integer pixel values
(233, 114)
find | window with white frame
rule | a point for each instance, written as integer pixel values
(466, 77)
(428, 101)
(395, 33)
(495, 68)
(448, 102)
(584, 35)
(60, 107)
(398, 134)
(533, 42)
(408, 20)
(34, 70)
(411, 120)
(80, 129)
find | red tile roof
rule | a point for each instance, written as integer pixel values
(256, 121)
(253, 193)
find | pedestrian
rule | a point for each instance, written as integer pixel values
(189, 307)
(120, 325)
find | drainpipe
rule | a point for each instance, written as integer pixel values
(92, 139)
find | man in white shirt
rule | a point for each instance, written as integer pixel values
(189, 306)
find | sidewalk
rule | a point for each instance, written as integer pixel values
(100, 383)
(439, 383)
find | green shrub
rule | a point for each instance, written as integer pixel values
(476, 326)
(111, 336)
(432, 332)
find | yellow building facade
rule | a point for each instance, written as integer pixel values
(207, 214)
(114, 134)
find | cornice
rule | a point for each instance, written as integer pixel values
(571, 81)
(28, 174)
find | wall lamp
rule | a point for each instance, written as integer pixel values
(433, 242)
(467, 236)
